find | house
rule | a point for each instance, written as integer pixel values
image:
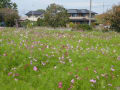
(34, 15)
(81, 16)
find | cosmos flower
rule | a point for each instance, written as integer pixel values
(35, 68)
(55, 67)
(72, 81)
(60, 85)
(16, 79)
(109, 84)
(112, 69)
(10, 73)
(4, 54)
(43, 63)
(118, 58)
(31, 62)
(93, 81)
(95, 71)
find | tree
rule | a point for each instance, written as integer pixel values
(9, 16)
(56, 16)
(113, 18)
(41, 22)
(8, 4)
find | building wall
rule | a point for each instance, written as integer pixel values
(81, 18)
(34, 18)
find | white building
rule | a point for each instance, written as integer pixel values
(34, 15)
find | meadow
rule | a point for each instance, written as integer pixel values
(38, 59)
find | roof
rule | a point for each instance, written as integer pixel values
(34, 13)
(84, 11)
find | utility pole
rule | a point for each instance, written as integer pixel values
(103, 6)
(90, 12)
(32, 16)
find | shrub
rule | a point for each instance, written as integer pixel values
(71, 25)
(28, 24)
(113, 18)
(82, 27)
(41, 22)
(8, 16)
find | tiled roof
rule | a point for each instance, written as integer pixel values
(79, 11)
(34, 13)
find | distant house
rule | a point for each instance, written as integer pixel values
(80, 16)
(34, 15)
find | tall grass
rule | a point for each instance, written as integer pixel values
(37, 59)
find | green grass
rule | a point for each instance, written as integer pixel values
(60, 56)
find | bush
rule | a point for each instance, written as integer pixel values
(71, 25)
(41, 22)
(82, 27)
(28, 24)
(8, 16)
(113, 18)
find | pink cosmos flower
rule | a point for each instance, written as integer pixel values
(35, 68)
(112, 69)
(10, 73)
(72, 81)
(118, 58)
(60, 85)
(4, 54)
(16, 79)
(43, 63)
(95, 71)
(16, 74)
(93, 81)
(31, 62)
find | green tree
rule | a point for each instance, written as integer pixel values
(56, 16)
(41, 10)
(41, 22)
(8, 4)
(9, 16)
(113, 18)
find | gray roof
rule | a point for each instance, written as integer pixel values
(34, 13)
(84, 11)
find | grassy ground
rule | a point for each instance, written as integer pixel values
(59, 60)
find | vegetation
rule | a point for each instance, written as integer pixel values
(28, 24)
(8, 13)
(56, 16)
(41, 10)
(9, 16)
(59, 60)
(8, 4)
(41, 22)
(80, 27)
(113, 17)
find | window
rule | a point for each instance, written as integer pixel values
(83, 15)
(74, 15)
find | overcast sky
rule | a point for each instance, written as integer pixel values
(97, 5)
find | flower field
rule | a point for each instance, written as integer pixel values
(37, 59)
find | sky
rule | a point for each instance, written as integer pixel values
(98, 6)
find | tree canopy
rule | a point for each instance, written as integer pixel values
(113, 17)
(8, 16)
(8, 4)
(56, 16)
